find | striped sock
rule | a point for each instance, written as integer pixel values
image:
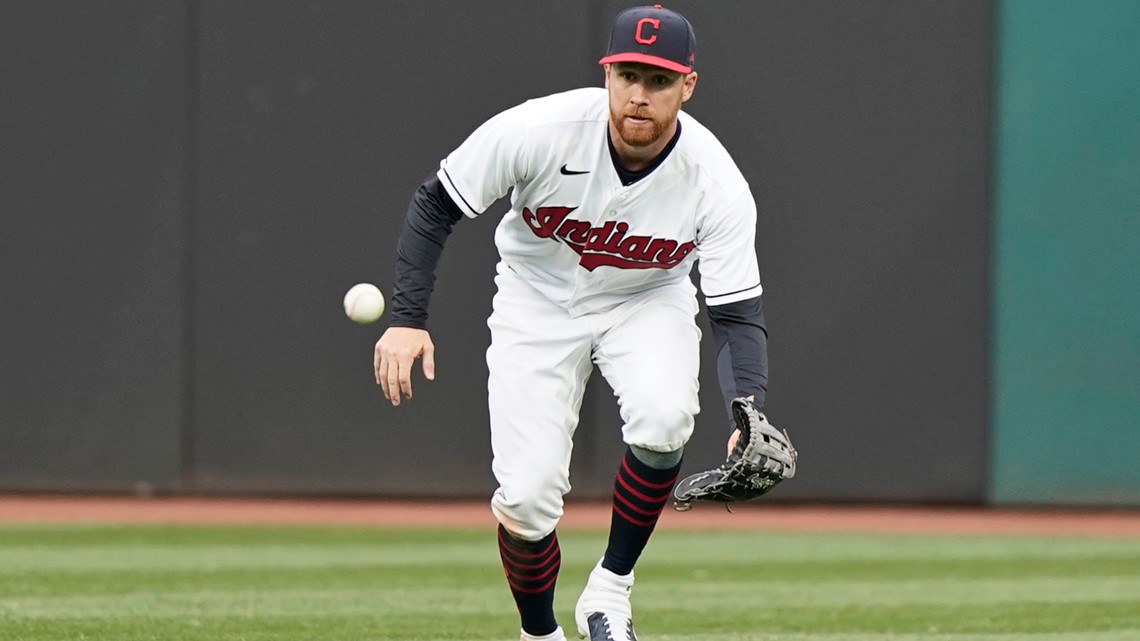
(640, 493)
(532, 568)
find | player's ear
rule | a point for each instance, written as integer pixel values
(606, 69)
(690, 84)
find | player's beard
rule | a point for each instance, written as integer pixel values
(643, 133)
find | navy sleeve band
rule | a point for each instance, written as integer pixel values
(741, 349)
(431, 215)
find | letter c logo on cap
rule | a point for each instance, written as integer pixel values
(654, 22)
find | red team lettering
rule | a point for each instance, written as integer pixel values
(606, 245)
(655, 23)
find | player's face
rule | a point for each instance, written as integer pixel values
(644, 100)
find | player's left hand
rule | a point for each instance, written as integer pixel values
(762, 456)
(732, 441)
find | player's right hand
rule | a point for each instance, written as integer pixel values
(396, 353)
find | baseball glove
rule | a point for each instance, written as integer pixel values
(762, 457)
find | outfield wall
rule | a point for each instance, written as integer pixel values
(189, 187)
(1066, 340)
(94, 175)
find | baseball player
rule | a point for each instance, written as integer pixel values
(615, 194)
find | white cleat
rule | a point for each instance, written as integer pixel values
(557, 635)
(603, 612)
(607, 627)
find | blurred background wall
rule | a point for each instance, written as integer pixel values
(1066, 305)
(189, 187)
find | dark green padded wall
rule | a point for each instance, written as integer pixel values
(1066, 307)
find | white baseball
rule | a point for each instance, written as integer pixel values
(364, 303)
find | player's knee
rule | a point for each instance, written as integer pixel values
(661, 426)
(528, 511)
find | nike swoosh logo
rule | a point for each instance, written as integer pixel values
(570, 172)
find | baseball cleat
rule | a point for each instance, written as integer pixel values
(603, 612)
(604, 627)
(557, 635)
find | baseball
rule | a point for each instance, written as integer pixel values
(364, 303)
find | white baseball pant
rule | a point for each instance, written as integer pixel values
(539, 361)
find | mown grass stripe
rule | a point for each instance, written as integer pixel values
(364, 600)
(285, 584)
(791, 578)
(93, 556)
(1128, 635)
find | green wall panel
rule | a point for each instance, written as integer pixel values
(1066, 324)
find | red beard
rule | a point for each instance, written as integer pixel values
(637, 134)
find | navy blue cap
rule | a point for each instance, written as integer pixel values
(654, 36)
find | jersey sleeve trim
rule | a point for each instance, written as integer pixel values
(732, 297)
(452, 191)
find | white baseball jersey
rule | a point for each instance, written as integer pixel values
(580, 237)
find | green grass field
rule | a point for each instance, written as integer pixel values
(258, 583)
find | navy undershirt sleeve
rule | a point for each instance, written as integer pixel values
(431, 215)
(741, 340)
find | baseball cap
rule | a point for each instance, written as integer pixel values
(654, 36)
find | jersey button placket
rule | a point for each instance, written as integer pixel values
(609, 215)
(583, 276)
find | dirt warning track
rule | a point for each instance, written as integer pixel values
(434, 513)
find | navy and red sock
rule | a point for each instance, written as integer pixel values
(640, 494)
(532, 569)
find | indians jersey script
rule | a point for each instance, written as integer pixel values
(580, 237)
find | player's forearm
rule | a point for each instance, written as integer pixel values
(431, 215)
(741, 339)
